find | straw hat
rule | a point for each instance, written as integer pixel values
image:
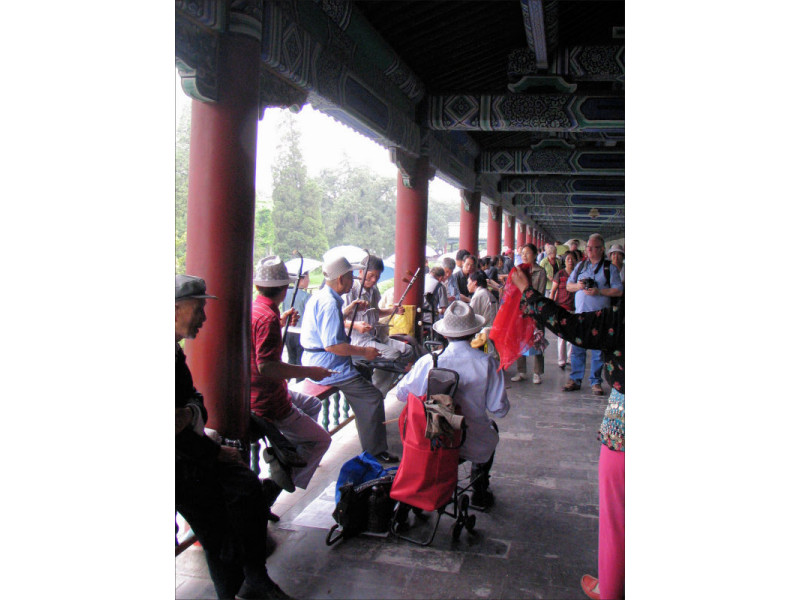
(271, 272)
(459, 320)
(336, 267)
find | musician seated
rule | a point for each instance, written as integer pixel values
(481, 392)
(368, 332)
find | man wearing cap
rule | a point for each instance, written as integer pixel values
(481, 389)
(365, 330)
(617, 255)
(293, 413)
(217, 494)
(325, 344)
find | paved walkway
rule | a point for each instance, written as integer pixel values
(535, 542)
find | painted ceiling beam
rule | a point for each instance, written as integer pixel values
(526, 112)
(302, 45)
(591, 63)
(372, 48)
(559, 184)
(533, 19)
(547, 160)
(198, 27)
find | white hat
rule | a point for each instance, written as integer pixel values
(336, 267)
(572, 241)
(271, 272)
(459, 320)
(615, 248)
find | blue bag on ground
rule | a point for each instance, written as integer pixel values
(358, 470)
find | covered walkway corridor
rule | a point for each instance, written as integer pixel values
(535, 542)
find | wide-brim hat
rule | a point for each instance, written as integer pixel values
(336, 267)
(572, 241)
(459, 320)
(271, 272)
(616, 248)
(189, 286)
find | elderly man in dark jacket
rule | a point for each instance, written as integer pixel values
(215, 491)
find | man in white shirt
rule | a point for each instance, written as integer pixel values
(366, 331)
(434, 285)
(449, 266)
(481, 389)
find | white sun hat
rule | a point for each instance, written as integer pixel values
(335, 267)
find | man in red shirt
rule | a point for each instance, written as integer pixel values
(293, 413)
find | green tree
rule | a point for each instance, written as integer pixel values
(182, 135)
(264, 239)
(439, 214)
(359, 207)
(296, 198)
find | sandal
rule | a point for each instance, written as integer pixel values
(591, 586)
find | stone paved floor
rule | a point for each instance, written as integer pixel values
(536, 542)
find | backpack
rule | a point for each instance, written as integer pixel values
(363, 508)
(357, 511)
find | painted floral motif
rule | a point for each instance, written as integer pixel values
(601, 330)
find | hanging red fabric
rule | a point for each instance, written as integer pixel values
(512, 334)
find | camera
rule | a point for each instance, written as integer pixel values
(589, 283)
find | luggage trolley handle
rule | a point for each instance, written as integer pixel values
(429, 346)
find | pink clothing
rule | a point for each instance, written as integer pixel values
(611, 539)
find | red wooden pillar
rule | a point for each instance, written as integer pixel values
(470, 219)
(219, 243)
(495, 224)
(521, 235)
(411, 223)
(529, 234)
(508, 234)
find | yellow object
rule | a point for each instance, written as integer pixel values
(403, 323)
(479, 341)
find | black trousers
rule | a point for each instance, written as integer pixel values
(224, 505)
(293, 348)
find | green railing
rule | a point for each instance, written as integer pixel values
(335, 412)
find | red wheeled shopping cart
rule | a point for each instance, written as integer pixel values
(427, 479)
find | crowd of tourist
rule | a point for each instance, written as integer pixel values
(338, 330)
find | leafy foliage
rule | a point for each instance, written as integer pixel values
(264, 238)
(296, 198)
(439, 214)
(182, 134)
(359, 207)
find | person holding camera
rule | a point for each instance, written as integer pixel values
(594, 281)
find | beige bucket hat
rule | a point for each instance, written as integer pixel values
(459, 320)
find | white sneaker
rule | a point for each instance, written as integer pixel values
(518, 377)
(537, 378)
